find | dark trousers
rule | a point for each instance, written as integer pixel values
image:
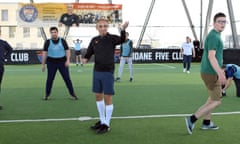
(237, 84)
(187, 59)
(1, 75)
(51, 72)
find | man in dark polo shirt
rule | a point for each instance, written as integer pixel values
(103, 47)
(69, 19)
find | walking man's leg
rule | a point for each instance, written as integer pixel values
(184, 63)
(214, 100)
(188, 65)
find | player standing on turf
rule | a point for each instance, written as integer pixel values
(78, 52)
(56, 55)
(188, 52)
(212, 75)
(126, 56)
(103, 48)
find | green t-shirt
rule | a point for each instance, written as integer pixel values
(213, 42)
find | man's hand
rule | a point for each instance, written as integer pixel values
(67, 63)
(43, 67)
(125, 25)
(221, 77)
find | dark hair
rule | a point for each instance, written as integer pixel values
(53, 28)
(220, 14)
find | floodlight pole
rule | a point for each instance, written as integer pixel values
(201, 23)
(145, 24)
(208, 18)
(233, 24)
(189, 19)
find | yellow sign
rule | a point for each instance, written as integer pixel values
(69, 14)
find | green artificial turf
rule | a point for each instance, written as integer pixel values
(157, 89)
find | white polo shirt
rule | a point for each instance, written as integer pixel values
(187, 48)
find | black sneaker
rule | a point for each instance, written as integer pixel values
(74, 97)
(96, 126)
(103, 129)
(131, 79)
(117, 79)
(46, 98)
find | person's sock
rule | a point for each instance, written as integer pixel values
(206, 122)
(109, 111)
(101, 111)
(193, 118)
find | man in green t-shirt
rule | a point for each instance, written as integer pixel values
(212, 75)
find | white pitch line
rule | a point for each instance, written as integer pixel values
(162, 66)
(165, 65)
(38, 120)
(86, 118)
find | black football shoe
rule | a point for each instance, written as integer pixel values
(103, 129)
(96, 126)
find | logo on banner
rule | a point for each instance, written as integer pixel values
(28, 13)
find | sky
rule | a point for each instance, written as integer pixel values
(168, 23)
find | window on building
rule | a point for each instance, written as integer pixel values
(19, 46)
(26, 32)
(4, 15)
(12, 32)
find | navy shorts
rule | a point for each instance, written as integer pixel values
(78, 52)
(103, 82)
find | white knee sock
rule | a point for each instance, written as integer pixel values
(101, 111)
(109, 111)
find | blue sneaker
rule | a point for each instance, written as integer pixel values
(209, 127)
(189, 124)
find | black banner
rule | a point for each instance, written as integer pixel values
(139, 56)
(24, 57)
(231, 56)
(158, 56)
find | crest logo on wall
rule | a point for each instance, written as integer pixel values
(28, 13)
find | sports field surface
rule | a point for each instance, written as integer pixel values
(149, 110)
